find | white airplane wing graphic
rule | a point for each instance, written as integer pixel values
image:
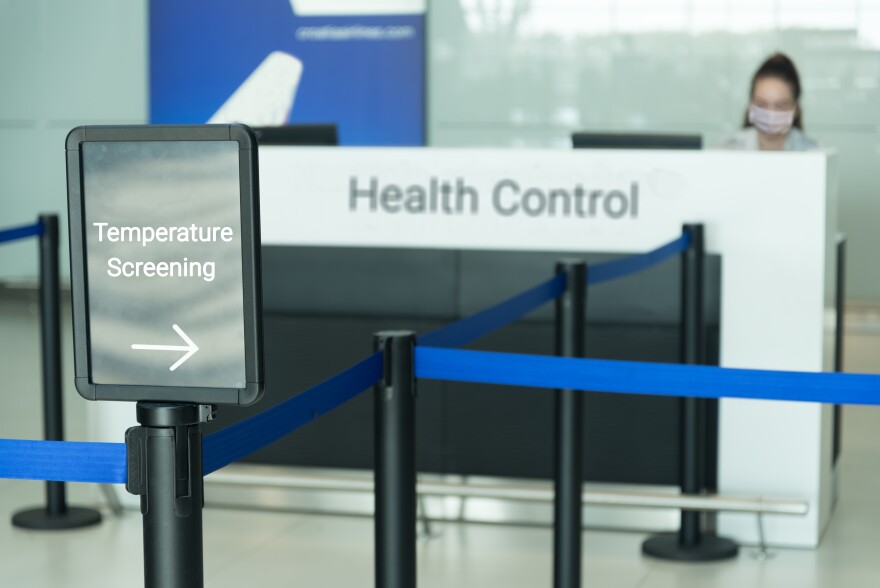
(266, 97)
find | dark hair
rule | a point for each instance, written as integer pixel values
(781, 67)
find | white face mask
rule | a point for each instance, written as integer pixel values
(771, 122)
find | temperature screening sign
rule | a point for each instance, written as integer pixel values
(162, 269)
(164, 263)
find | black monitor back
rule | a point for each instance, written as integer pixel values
(323, 134)
(635, 141)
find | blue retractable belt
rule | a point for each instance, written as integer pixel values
(105, 463)
(63, 461)
(632, 377)
(241, 439)
(489, 320)
(481, 324)
(619, 268)
(15, 233)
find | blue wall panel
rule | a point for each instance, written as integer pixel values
(365, 73)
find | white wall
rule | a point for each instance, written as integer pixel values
(64, 63)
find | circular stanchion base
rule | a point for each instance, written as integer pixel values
(39, 519)
(710, 548)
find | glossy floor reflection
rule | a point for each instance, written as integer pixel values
(250, 548)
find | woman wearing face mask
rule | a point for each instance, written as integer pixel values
(774, 119)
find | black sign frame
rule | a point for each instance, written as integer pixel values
(251, 264)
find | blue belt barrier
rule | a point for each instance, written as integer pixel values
(15, 233)
(63, 461)
(481, 324)
(105, 463)
(484, 322)
(241, 439)
(632, 377)
(619, 268)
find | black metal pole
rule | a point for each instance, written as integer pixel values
(690, 544)
(568, 464)
(840, 303)
(693, 352)
(50, 328)
(395, 462)
(840, 307)
(165, 470)
(56, 515)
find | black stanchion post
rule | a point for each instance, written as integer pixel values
(568, 465)
(693, 352)
(690, 543)
(165, 470)
(395, 461)
(840, 307)
(56, 515)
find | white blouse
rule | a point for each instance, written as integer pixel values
(747, 140)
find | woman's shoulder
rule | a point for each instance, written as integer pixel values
(742, 140)
(747, 140)
(798, 141)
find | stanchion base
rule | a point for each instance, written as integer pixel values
(39, 519)
(710, 548)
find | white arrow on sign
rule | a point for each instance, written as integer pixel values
(190, 347)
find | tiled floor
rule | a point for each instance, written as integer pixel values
(244, 548)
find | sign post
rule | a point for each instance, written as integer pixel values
(165, 268)
(165, 470)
